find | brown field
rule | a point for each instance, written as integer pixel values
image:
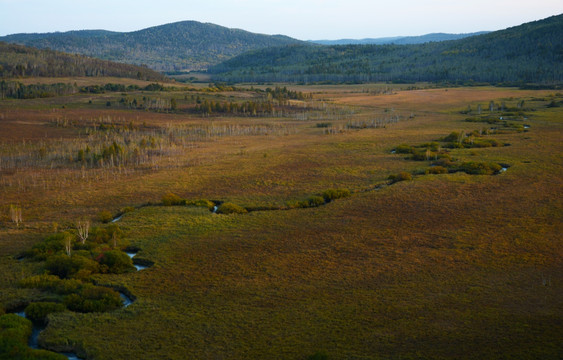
(440, 267)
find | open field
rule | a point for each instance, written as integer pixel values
(442, 266)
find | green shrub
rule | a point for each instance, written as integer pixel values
(116, 261)
(333, 194)
(64, 266)
(127, 209)
(433, 146)
(38, 312)
(479, 168)
(105, 216)
(105, 235)
(93, 299)
(171, 199)
(51, 283)
(67, 286)
(315, 201)
(43, 282)
(420, 155)
(230, 208)
(402, 176)
(437, 170)
(14, 332)
(61, 266)
(53, 244)
(201, 203)
(452, 137)
(482, 143)
(444, 162)
(404, 149)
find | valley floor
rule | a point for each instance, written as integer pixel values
(443, 266)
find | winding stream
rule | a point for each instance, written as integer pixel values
(37, 328)
(139, 267)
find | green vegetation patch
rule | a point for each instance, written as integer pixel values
(14, 334)
(38, 312)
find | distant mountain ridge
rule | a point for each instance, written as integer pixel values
(185, 45)
(529, 53)
(399, 40)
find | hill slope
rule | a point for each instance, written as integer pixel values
(531, 53)
(186, 45)
(399, 40)
(22, 61)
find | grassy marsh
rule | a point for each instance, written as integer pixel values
(442, 266)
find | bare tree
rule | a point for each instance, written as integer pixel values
(114, 238)
(68, 244)
(16, 214)
(83, 226)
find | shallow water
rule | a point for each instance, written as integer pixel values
(33, 339)
(117, 219)
(137, 266)
(126, 299)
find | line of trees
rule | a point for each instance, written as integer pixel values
(17, 90)
(21, 61)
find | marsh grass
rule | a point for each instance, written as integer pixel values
(444, 266)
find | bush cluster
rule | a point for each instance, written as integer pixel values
(93, 299)
(230, 208)
(201, 203)
(65, 266)
(52, 283)
(171, 199)
(105, 216)
(115, 262)
(105, 235)
(38, 312)
(437, 170)
(333, 194)
(479, 168)
(14, 334)
(402, 176)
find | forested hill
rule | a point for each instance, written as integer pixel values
(529, 53)
(399, 40)
(21, 61)
(186, 45)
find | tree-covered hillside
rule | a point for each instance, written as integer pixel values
(21, 61)
(186, 45)
(529, 53)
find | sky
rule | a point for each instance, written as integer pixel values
(301, 19)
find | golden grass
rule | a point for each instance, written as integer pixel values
(444, 266)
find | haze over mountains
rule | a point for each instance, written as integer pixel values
(399, 40)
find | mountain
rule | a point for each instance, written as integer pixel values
(529, 53)
(22, 61)
(186, 45)
(399, 40)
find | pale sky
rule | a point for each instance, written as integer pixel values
(301, 19)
